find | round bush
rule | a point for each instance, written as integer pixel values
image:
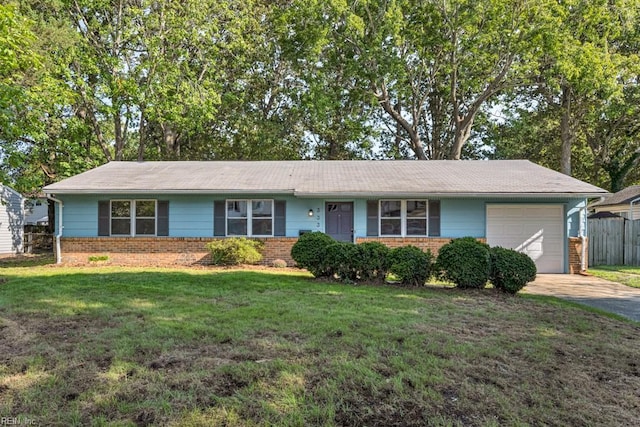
(373, 261)
(465, 262)
(235, 250)
(511, 270)
(412, 265)
(310, 252)
(342, 260)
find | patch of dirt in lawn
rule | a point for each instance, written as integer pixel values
(584, 370)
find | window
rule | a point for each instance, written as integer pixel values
(249, 217)
(416, 217)
(120, 218)
(391, 217)
(403, 217)
(133, 218)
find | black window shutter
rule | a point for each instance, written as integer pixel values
(103, 217)
(434, 218)
(219, 218)
(372, 217)
(280, 218)
(163, 218)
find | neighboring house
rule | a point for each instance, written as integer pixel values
(36, 211)
(625, 203)
(165, 212)
(11, 221)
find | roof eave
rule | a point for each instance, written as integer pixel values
(163, 191)
(465, 195)
(347, 194)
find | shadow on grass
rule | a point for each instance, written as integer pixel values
(27, 260)
(151, 346)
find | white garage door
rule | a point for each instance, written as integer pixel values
(537, 230)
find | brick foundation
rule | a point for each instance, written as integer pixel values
(432, 243)
(159, 250)
(164, 251)
(575, 255)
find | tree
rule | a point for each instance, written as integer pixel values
(431, 65)
(584, 103)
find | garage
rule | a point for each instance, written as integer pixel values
(537, 230)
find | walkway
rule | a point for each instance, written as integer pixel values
(589, 290)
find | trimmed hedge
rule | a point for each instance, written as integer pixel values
(465, 262)
(412, 265)
(310, 252)
(342, 260)
(511, 270)
(235, 250)
(373, 261)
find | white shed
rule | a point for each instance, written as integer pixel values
(11, 220)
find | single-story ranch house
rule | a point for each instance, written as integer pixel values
(625, 203)
(165, 212)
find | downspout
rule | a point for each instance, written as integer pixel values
(59, 234)
(583, 238)
(631, 207)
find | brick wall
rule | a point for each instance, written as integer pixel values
(191, 250)
(159, 250)
(575, 255)
(432, 243)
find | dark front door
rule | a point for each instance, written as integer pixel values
(339, 220)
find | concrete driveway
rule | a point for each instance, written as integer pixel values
(589, 290)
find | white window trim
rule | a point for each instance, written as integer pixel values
(132, 217)
(249, 217)
(403, 218)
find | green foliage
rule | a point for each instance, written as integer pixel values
(235, 250)
(342, 260)
(465, 262)
(511, 270)
(364, 262)
(373, 261)
(310, 252)
(98, 258)
(411, 264)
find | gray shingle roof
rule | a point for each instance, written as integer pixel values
(622, 197)
(310, 178)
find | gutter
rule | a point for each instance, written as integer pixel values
(59, 234)
(631, 207)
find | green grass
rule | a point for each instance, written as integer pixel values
(110, 346)
(626, 275)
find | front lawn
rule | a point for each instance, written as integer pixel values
(627, 275)
(109, 346)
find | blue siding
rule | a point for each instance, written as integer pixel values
(462, 217)
(574, 217)
(192, 215)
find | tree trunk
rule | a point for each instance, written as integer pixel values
(463, 132)
(566, 132)
(171, 140)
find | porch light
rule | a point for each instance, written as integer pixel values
(310, 213)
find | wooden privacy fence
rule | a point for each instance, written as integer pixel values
(614, 241)
(37, 242)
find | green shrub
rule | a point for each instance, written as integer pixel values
(373, 261)
(342, 260)
(465, 262)
(511, 270)
(310, 252)
(411, 264)
(235, 250)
